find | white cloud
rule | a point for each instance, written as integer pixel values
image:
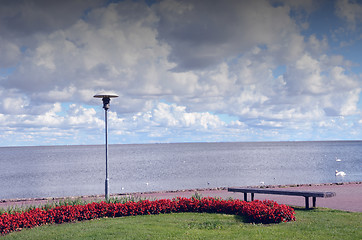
(171, 115)
(12, 102)
(307, 77)
(47, 119)
(106, 51)
(13, 105)
(79, 116)
(203, 58)
(317, 46)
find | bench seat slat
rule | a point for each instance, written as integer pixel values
(283, 192)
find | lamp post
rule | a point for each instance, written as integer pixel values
(106, 98)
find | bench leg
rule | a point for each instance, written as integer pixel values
(307, 202)
(314, 201)
(252, 196)
(245, 197)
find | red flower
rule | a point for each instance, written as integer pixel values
(256, 211)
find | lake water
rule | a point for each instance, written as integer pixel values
(59, 171)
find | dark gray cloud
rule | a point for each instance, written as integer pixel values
(205, 33)
(20, 18)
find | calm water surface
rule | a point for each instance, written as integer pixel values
(58, 171)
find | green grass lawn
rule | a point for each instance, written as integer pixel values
(310, 224)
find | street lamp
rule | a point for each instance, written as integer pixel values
(106, 98)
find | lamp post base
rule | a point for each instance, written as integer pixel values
(107, 189)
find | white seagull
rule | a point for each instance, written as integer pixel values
(338, 160)
(342, 174)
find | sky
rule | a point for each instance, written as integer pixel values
(185, 71)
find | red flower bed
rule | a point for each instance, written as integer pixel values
(256, 211)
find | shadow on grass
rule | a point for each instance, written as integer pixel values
(297, 208)
(242, 219)
(303, 209)
(246, 220)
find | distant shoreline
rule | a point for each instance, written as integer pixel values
(154, 143)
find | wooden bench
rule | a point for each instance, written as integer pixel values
(306, 194)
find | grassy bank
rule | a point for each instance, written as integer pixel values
(312, 224)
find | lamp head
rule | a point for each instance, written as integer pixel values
(106, 98)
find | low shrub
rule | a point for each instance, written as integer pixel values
(256, 211)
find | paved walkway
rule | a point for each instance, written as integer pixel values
(348, 196)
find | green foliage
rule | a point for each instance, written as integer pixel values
(197, 196)
(125, 199)
(68, 202)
